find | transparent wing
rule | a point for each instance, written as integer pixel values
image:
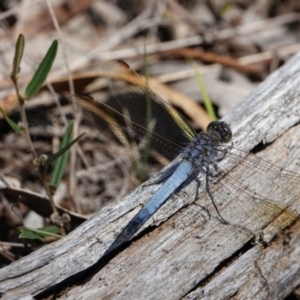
(137, 114)
(123, 127)
(148, 113)
(264, 195)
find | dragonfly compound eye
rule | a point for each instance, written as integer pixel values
(220, 130)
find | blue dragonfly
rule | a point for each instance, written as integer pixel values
(171, 136)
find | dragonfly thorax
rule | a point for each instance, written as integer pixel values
(206, 147)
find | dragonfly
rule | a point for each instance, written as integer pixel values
(167, 130)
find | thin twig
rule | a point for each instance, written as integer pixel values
(25, 128)
(151, 49)
(16, 9)
(195, 22)
(61, 39)
(268, 55)
(56, 100)
(257, 26)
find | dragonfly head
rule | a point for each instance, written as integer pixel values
(220, 131)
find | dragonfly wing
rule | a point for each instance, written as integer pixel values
(148, 113)
(256, 192)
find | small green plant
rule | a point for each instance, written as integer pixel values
(42, 162)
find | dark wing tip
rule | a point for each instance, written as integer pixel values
(123, 63)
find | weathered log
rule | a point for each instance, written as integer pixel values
(184, 251)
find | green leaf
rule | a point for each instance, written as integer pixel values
(42, 72)
(54, 156)
(61, 151)
(207, 103)
(12, 124)
(40, 233)
(62, 155)
(18, 57)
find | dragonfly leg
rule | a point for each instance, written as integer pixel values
(207, 174)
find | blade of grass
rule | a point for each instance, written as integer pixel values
(12, 124)
(42, 72)
(63, 150)
(62, 155)
(206, 100)
(29, 233)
